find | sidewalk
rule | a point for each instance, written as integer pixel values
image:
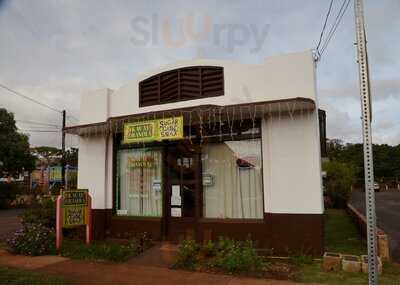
(100, 273)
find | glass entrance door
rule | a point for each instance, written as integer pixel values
(183, 190)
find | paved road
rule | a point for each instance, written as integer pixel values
(388, 215)
(9, 222)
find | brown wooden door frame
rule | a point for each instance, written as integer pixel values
(176, 227)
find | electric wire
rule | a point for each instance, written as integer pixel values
(29, 98)
(337, 21)
(324, 26)
(37, 123)
(40, 131)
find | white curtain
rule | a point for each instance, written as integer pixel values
(139, 182)
(236, 191)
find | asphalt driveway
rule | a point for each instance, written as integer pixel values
(9, 222)
(388, 215)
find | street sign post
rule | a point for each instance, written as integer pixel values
(365, 96)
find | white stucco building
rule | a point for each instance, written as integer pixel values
(208, 148)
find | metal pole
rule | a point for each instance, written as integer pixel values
(367, 141)
(63, 150)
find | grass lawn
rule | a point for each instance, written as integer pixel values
(341, 235)
(12, 276)
(97, 251)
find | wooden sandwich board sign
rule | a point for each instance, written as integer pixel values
(74, 208)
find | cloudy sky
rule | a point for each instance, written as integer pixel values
(55, 50)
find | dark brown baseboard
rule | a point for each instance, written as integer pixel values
(284, 233)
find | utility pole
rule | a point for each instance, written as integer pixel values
(365, 96)
(63, 150)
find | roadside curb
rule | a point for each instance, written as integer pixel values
(382, 237)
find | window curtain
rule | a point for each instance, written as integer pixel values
(236, 190)
(139, 182)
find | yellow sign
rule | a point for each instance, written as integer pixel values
(142, 162)
(75, 204)
(154, 130)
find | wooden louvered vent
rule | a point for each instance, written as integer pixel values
(182, 84)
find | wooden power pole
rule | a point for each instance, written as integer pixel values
(63, 150)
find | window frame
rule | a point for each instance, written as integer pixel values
(118, 145)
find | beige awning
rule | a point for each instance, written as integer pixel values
(200, 114)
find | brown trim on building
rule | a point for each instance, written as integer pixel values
(283, 233)
(296, 232)
(113, 124)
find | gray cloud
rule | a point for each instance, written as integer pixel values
(55, 50)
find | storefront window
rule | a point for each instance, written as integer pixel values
(139, 184)
(232, 179)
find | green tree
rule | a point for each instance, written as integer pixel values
(340, 177)
(15, 154)
(386, 158)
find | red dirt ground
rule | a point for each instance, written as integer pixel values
(144, 270)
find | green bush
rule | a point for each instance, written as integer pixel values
(139, 242)
(300, 258)
(237, 257)
(226, 254)
(33, 239)
(43, 211)
(98, 251)
(9, 192)
(187, 255)
(340, 177)
(209, 249)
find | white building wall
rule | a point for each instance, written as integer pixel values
(95, 171)
(91, 168)
(279, 77)
(292, 182)
(95, 106)
(292, 164)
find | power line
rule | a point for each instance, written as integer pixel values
(338, 19)
(323, 28)
(73, 118)
(40, 131)
(29, 98)
(37, 123)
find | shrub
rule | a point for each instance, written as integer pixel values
(43, 211)
(340, 177)
(187, 255)
(209, 249)
(9, 192)
(98, 251)
(300, 258)
(33, 239)
(237, 257)
(226, 255)
(140, 242)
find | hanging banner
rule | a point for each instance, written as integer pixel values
(154, 130)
